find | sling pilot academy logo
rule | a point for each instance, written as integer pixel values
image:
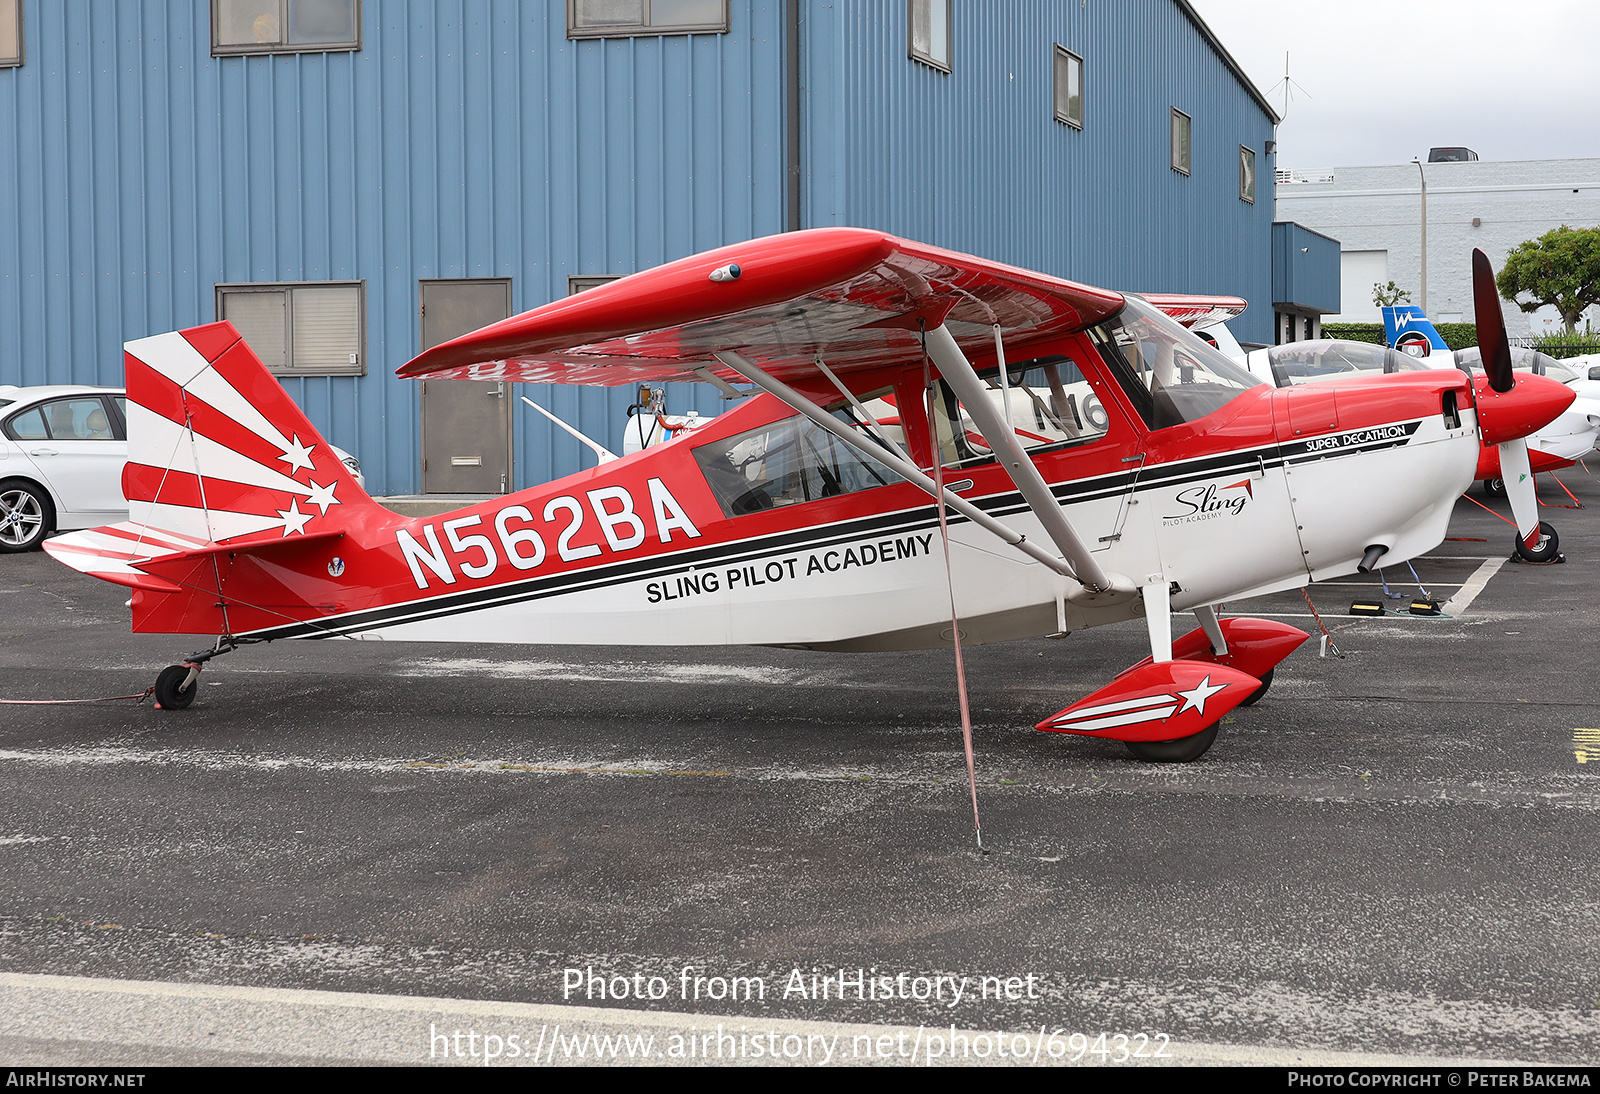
(1209, 502)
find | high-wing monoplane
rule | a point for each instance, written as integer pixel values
(940, 449)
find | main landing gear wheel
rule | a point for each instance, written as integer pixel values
(1183, 750)
(174, 689)
(1494, 488)
(1548, 548)
(1257, 695)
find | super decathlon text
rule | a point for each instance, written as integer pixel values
(519, 541)
(750, 575)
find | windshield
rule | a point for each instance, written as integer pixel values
(1170, 374)
(1523, 360)
(1332, 359)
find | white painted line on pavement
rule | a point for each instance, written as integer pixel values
(1458, 604)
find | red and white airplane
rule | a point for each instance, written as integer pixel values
(1115, 467)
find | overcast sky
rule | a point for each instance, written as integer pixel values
(1381, 81)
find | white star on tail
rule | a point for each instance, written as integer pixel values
(293, 519)
(1195, 699)
(323, 496)
(298, 455)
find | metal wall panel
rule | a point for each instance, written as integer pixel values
(1305, 268)
(470, 138)
(975, 160)
(467, 138)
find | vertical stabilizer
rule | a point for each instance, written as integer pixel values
(218, 454)
(1411, 332)
(217, 451)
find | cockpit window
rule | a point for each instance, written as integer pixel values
(1523, 360)
(1170, 374)
(1334, 359)
(796, 460)
(1050, 404)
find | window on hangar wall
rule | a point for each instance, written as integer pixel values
(10, 33)
(1180, 141)
(285, 26)
(630, 18)
(928, 32)
(313, 328)
(577, 284)
(1247, 174)
(1069, 87)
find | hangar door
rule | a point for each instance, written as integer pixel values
(466, 424)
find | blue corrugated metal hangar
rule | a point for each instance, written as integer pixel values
(350, 181)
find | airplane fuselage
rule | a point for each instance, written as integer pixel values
(1277, 488)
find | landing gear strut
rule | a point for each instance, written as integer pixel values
(177, 684)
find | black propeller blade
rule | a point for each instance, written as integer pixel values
(1492, 344)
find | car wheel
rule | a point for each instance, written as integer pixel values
(26, 516)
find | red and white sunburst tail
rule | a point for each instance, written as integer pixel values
(221, 462)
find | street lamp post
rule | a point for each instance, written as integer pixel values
(1424, 176)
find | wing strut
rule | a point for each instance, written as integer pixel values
(957, 372)
(902, 467)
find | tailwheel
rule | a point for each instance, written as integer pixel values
(1181, 751)
(1260, 693)
(1548, 547)
(176, 685)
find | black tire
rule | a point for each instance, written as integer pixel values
(170, 693)
(1494, 488)
(27, 515)
(1260, 693)
(1549, 545)
(1181, 751)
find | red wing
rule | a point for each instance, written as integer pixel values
(851, 295)
(1197, 312)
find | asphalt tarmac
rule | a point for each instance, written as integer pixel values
(1394, 854)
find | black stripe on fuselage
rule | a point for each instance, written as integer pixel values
(886, 525)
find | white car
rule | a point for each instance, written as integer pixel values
(62, 450)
